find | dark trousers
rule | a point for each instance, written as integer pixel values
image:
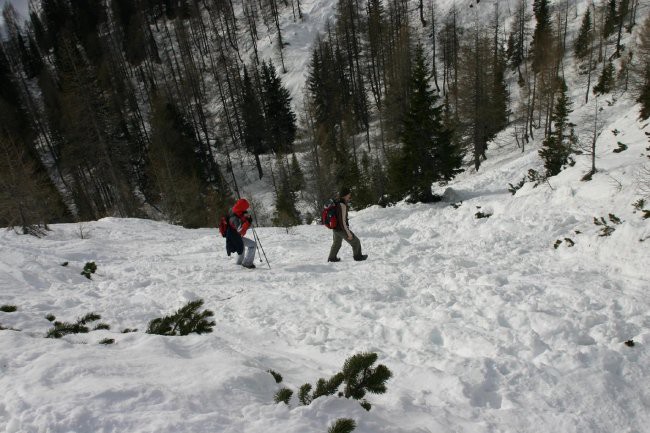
(338, 237)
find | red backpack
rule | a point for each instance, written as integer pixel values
(223, 225)
(329, 215)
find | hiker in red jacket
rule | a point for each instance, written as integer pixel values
(239, 221)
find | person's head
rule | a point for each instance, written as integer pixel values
(241, 206)
(345, 194)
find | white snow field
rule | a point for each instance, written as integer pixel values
(484, 324)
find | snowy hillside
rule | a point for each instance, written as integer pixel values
(485, 325)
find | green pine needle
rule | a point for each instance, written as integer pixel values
(342, 425)
(283, 396)
(303, 394)
(185, 321)
(277, 376)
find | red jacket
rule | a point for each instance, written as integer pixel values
(242, 222)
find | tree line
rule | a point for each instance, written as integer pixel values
(148, 108)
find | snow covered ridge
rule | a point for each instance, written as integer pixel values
(485, 326)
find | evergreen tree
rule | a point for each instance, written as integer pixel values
(644, 96)
(583, 41)
(499, 96)
(286, 214)
(253, 123)
(28, 198)
(606, 80)
(280, 118)
(643, 71)
(427, 154)
(297, 176)
(178, 186)
(542, 36)
(610, 19)
(556, 148)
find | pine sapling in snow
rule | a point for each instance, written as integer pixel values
(283, 396)
(185, 321)
(606, 229)
(342, 425)
(79, 327)
(89, 269)
(303, 394)
(514, 188)
(327, 387)
(277, 376)
(360, 377)
(8, 308)
(639, 205)
(621, 147)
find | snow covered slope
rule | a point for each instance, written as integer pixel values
(485, 325)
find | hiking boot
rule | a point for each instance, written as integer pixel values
(249, 265)
(335, 259)
(361, 258)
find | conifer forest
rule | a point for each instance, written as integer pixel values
(154, 108)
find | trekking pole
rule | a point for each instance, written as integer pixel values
(257, 238)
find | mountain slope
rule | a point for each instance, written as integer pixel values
(485, 325)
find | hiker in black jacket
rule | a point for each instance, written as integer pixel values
(342, 231)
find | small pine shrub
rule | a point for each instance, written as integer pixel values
(127, 330)
(569, 242)
(514, 188)
(64, 264)
(50, 317)
(342, 425)
(107, 341)
(457, 205)
(606, 229)
(283, 396)
(361, 377)
(63, 328)
(557, 243)
(366, 405)
(327, 387)
(8, 308)
(535, 177)
(630, 343)
(185, 321)
(639, 204)
(621, 147)
(89, 269)
(481, 214)
(303, 394)
(613, 218)
(277, 376)
(101, 326)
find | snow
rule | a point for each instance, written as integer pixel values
(484, 324)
